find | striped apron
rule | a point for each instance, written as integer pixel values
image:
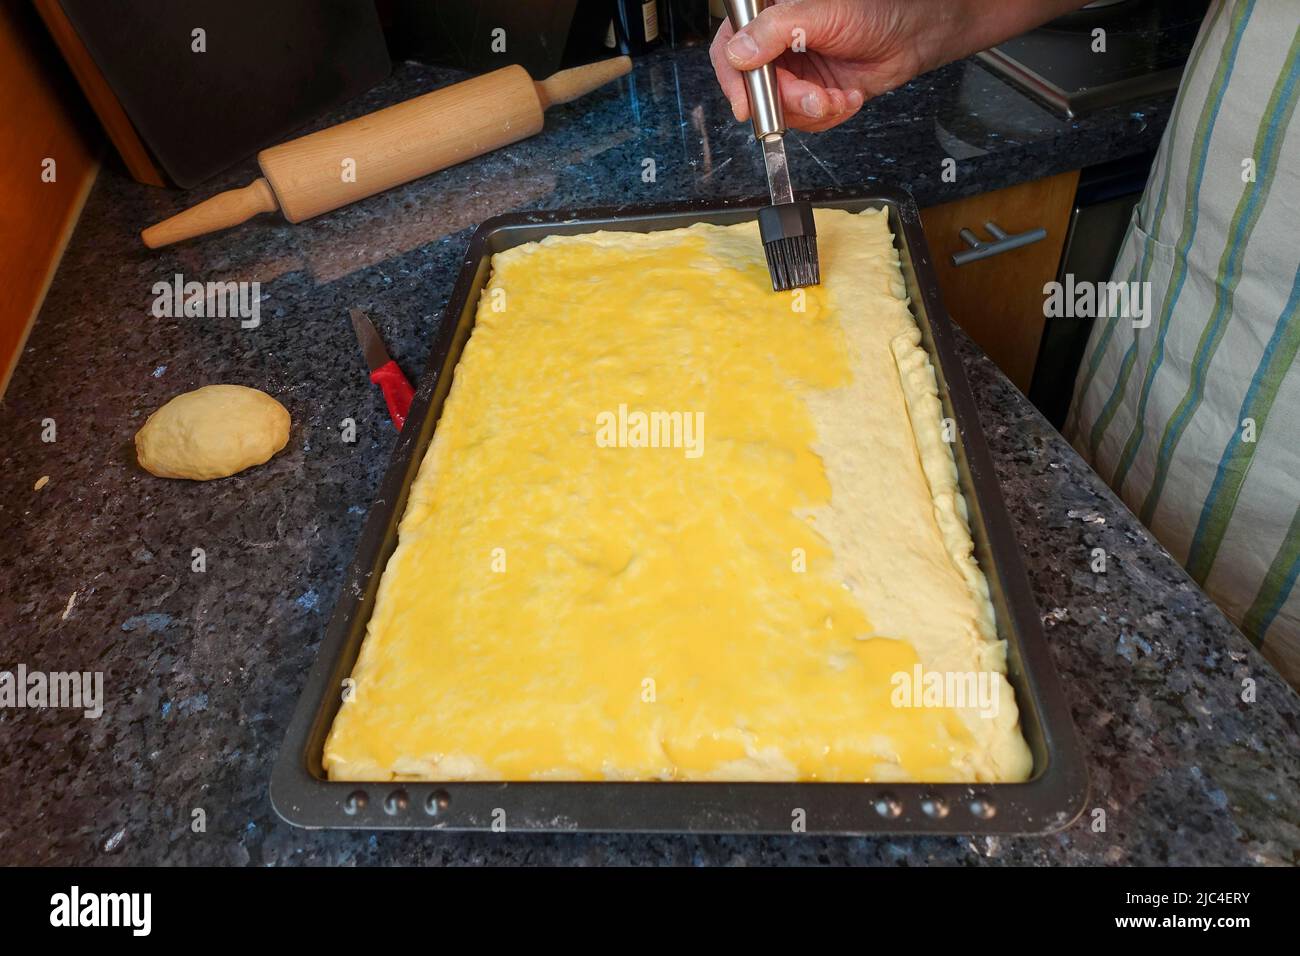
(1191, 412)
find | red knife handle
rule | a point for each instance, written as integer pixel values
(397, 391)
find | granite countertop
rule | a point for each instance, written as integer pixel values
(202, 670)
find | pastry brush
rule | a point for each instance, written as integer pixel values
(786, 227)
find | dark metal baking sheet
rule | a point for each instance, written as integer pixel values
(1051, 799)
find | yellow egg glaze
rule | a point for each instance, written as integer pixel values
(569, 602)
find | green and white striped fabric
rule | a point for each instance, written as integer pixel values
(1192, 413)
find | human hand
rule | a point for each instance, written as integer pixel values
(847, 51)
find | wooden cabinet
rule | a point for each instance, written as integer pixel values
(999, 300)
(49, 166)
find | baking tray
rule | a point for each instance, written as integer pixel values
(1050, 800)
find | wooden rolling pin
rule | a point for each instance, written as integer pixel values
(333, 167)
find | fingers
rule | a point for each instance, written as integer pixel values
(808, 105)
(811, 107)
(729, 78)
(770, 33)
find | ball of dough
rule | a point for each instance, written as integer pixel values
(212, 432)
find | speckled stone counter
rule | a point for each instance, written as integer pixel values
(202, 670)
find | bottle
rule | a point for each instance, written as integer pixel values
(637, 25)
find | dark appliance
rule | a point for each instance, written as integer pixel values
(1099, 221)
(1146, 47)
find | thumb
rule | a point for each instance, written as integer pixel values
(772, 32)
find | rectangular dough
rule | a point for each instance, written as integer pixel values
(674, 526)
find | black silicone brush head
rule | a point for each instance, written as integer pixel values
(792, 263)
(790, 241)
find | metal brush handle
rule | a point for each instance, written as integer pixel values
(760, 84)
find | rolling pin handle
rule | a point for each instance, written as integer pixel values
(570, 84)
(219, 212)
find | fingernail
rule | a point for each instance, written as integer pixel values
(742, 48)
(811, 104)
(735, 110)
(855, 98)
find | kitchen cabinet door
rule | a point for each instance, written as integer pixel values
(50, 163)
(998, 300)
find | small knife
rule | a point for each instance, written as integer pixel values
(383, 370)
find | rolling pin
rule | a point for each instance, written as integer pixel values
(339, 165)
